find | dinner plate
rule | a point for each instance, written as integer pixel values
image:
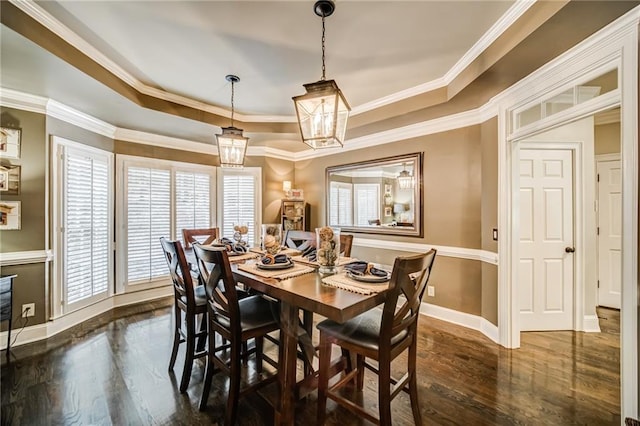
(275, 266)
(368, 278)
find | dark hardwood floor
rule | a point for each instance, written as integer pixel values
(113, 370)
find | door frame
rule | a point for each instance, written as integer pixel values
(578, 223)
(615, 44)
(615, 156)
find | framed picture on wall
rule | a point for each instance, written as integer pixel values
(9, 215)
(10, 142)
(387, 211)
(387, 188)
(297, 194)
(9, 180)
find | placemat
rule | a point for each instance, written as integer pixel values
(296, 270)
(243, 257)
(287, 251)
(343, 282)
(306, 261)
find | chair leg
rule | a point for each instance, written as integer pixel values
(209, 372)
(245, 352)
(188, 356)
(346, 355)
(413, 383)
(234, 384)
(323, 379)
(259, 349)
(176, 336)
(384, 391)
(202, 340)
(307, 324)
(360, 366)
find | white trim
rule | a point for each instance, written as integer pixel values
(463, 319)
(65, 113)
(447, 251)
(614, 156)
(591, 324)
(13, 99)
(51, 328)
(25, 257)
(607, 117)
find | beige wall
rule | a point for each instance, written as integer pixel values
(460, 209)
(607, 138)
(29, 285)
(489, 214)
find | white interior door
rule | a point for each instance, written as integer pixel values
(609, 233)
(546, 269)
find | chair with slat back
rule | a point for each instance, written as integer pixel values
(236, 320)
(380, 334)
(189, 300)
(190, 236)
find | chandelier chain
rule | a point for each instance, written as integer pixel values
(323, 39)
(232, 96)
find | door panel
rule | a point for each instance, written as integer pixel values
(610, 230)
(546, 225)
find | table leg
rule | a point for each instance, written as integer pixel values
(287, 363)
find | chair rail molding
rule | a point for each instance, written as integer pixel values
(25, 257)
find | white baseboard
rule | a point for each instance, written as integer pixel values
(591, 324)
(473, 322)
(51, 328)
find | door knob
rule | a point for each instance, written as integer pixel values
(570, 249)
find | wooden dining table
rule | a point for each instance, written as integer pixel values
(309, 293)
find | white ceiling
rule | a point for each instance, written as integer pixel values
(375, 49)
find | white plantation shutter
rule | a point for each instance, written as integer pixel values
(193, 201)
(86, 219)
(340, 212)
(367, 203)
(148, 218)
(239, 205)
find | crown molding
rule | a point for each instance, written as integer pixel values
(145, 138)
(13, 99)
(607, 117)
(65, 113)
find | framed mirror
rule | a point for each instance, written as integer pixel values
(377, 197)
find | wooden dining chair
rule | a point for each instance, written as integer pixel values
(208, 236)
(237, 321)
(301, 240)
(382, 335)
(190, 301)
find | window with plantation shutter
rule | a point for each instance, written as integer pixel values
(340, 212)
(239, 195)
(367, 206)
(148, 219)
(159, 198)
(84, 216)
(193, 201)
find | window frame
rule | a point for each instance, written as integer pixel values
(256, 172)
(122, 164)
(60, 147)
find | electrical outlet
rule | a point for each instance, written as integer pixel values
(431, 291)
(28, 310)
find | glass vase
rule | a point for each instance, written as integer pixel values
(327, 249)
(271, 238)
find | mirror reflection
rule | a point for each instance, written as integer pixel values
(379, 196)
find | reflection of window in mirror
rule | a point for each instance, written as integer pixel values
(380, 196)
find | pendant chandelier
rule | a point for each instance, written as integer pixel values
(323, 111)
(405, 180)
(232, 145)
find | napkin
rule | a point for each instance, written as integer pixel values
(363, 268)
(269, 259)
(232, 246)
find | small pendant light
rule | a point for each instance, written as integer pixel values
(232, 145)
